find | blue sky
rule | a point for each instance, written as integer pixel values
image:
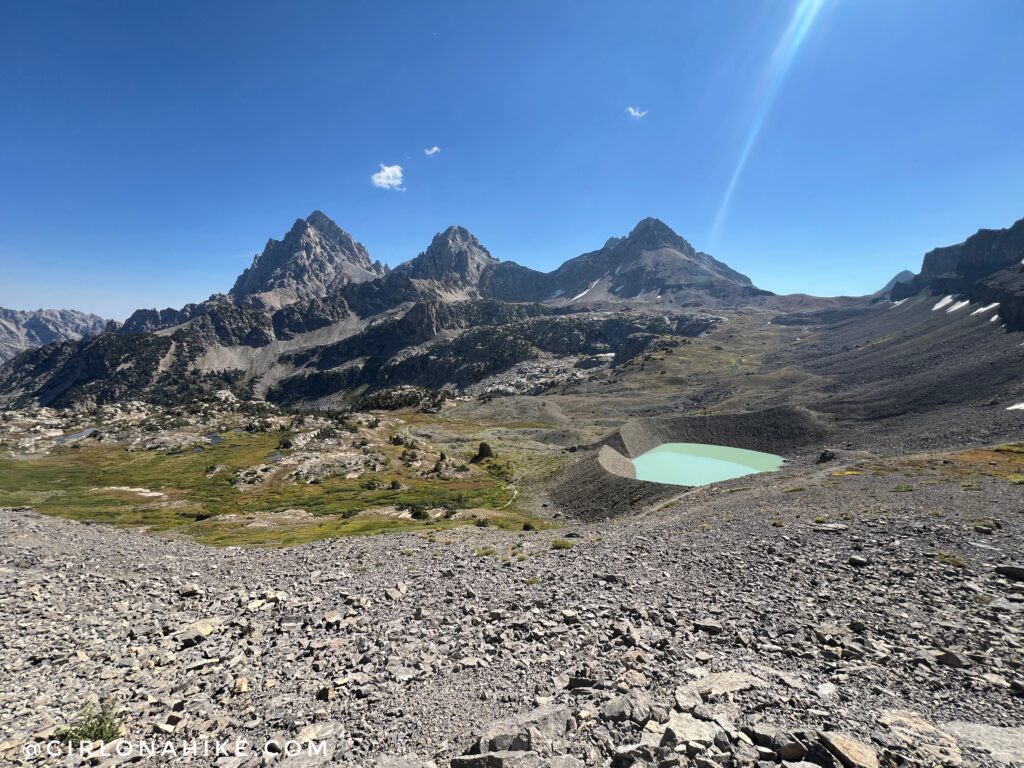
(148, 150)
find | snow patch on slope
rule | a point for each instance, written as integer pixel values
(581, 295)
(982, 310)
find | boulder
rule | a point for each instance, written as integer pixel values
(1015, 572)
(849, 751)
(197, 631)
(708, 625)
(913, 737)
(403, 761)
(537, 729)
(1005, 745)
(721, 683)
(682, 728)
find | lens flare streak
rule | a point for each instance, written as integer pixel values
(778, 67)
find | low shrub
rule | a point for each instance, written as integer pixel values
(95, 723)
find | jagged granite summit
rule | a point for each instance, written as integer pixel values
(26, 330)
(455, 260)
(315, 258)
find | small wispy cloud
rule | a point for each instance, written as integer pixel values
(635, 112)
(431, 150)
(388, 177)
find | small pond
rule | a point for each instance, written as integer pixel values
(695, 464)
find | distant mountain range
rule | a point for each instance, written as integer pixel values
(318, 259)
(314, 319)
(320, 273)
(24, 330)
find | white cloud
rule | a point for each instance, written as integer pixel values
(635, 112)
(432, 150)
(388, 177)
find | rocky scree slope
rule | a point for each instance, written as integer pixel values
(738, 631)
(922, 377)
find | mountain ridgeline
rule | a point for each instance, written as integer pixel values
(314, 320)
(988, 267)
(24, 330)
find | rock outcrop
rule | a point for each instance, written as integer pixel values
(955, 269)
(1006, 288)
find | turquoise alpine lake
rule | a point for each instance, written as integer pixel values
(695, 464)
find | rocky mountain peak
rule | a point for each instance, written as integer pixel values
(458, 242)
(326, 227)
(904, 276)
(651, 263)
(323, 222)
(651, 234)
(315, 257)
(454, 258)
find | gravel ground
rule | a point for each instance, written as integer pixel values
(843, 622)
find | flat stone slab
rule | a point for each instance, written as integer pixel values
(1004, 744)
